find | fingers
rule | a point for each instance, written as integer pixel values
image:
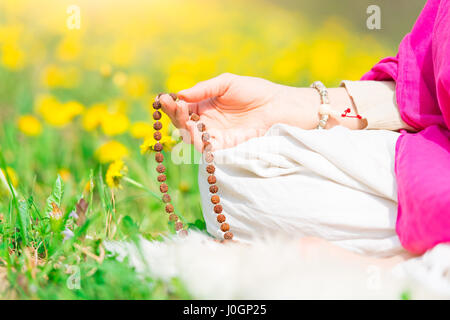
(169, 107)
(214, 87)
(178, 111)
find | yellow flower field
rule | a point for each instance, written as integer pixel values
(76, 103)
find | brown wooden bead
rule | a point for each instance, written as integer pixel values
(166, 198)
(160, 168)
(215, 199)
(169, 208)
(195, 117)
(205, 136)
(221, 218)
(157, 125)
(173, 96)
(157, 115)
(157, 135)
(209, 157)
(213, 189)
(218, 208)
(228, 236)
(178, 225)
(159, 95)
(210, 168)
(207, 146)
(212, 179)
(157, 105)
(201, 127)
(183, 233)
(158, 146)
(224, 227)
(162, 178)
(173, 217)
(159, 157)
(163, 188)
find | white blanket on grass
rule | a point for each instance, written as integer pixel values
(336, 184)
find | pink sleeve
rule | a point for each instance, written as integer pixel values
(421, 70)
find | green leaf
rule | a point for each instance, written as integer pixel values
(56, 196)
(23, 219)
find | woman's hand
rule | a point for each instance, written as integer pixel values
(237, 108)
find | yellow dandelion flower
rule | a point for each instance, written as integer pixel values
(54, 76)
(120, 79)
(92, 118)
(73, 108)
(12, 57)
(105, 70)
(64, 174)
(56, 113)
(12, 176)
(69, 48)
(29, 125)
(141, 129)
(184, 186)
(88, 187)
(111, 151)
(114, 123)
(116, 171)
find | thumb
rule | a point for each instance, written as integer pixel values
(214, 87)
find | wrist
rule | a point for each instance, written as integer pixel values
(300, 107)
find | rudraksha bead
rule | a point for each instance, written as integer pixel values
(169, 208)
(178, 225)
(156, 105)
(201, 127)
(157, 115)
(228, 236)
(224, 227)
(209, 157)
(215, 199)
(157, 135)
(207, 146)
(183, 233)
(173, 217)
(210, 168)
(159, 157)
(221, 218)
(158, 147)
(166, 198)
(163, 188)
(213, 189)
(205, 136)
(157, 125)
(212, 179)
(218, 208)
(160, 168)
(195, 117)
(173, 96)
(162, 178)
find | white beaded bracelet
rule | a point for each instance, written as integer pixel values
(325, 110)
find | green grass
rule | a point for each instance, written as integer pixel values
(35, 260)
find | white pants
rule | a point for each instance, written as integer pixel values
(336, 184)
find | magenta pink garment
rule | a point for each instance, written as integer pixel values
(421, 70)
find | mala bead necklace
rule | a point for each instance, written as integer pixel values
(210, 169)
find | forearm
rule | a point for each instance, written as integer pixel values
(302, 108)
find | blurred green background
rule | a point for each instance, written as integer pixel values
(75, 100)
